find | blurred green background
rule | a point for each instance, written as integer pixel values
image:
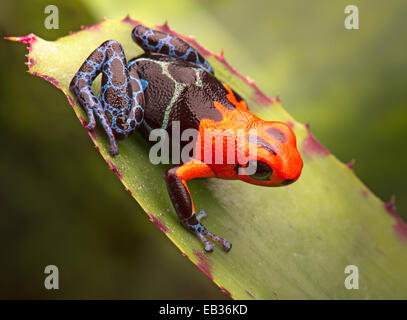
(60, 204)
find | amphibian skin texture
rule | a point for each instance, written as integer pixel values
(172, 83)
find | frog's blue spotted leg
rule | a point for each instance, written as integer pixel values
(120, 105)
(156, 41)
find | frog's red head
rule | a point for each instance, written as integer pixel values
(277, 161)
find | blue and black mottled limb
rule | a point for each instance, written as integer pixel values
(120, 105)
(159, 42)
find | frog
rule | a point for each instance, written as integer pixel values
(172, 83)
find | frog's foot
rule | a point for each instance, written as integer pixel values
(175, 179)
(91, 125)
(114, 148)
(200, 231)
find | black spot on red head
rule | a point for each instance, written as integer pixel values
(262, 143)
(276, 134)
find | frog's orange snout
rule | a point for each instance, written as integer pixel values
(293, 167)
(290, 165)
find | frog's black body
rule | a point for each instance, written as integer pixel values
(175, 89)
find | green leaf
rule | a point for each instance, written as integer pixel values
(289, 242)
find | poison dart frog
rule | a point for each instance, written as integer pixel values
(171, 82)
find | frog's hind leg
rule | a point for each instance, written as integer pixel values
(176, 179)
(156, 41)
(120, 105)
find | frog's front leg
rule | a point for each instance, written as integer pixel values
(156, 41)
(176, 179)
(120, 106)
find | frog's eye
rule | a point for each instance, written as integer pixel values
(263, 171)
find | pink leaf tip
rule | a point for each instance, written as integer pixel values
(311, 146)
(351, 163)
(400, 227)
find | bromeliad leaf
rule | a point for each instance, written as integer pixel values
(290, 242)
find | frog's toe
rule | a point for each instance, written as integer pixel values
(225, 243)
(91, 126)
(208, 245)
(201, 215)
(114, 150)
(201, 232)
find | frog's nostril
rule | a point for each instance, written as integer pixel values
(287, 181)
